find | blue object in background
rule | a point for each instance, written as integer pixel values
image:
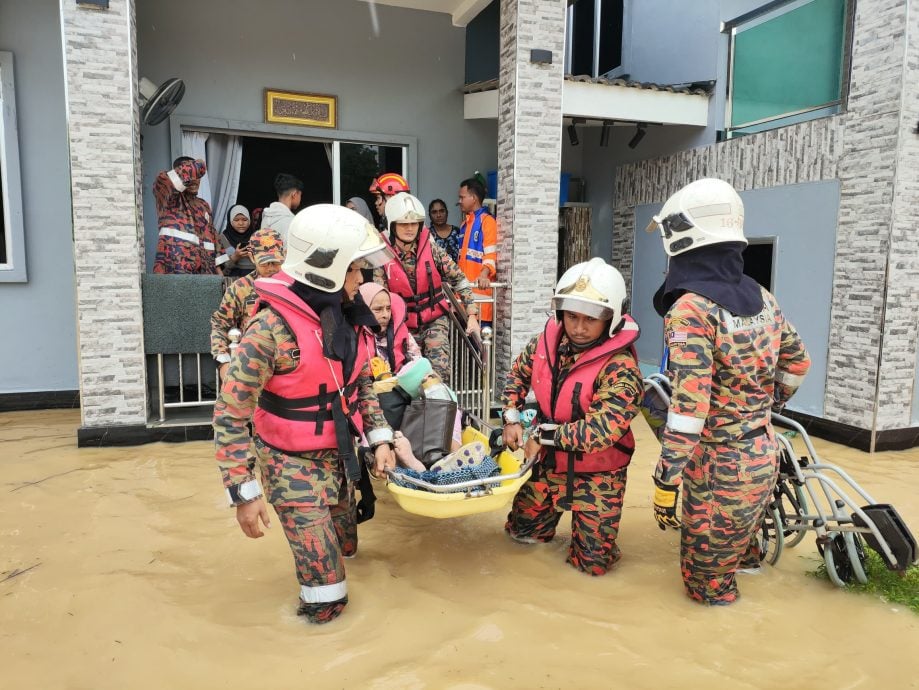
(563, 188)
(492, 184)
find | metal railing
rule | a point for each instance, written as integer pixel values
(182, 382)
(192, 380)
(472, 359)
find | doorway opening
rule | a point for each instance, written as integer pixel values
(759, 260)
(263, 158)
(313, 162)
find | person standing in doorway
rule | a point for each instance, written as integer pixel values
(187, 241)
(301, 375)
(281, 212)
(448, 236)
(478, 254)
(733, 357)
(235, 239)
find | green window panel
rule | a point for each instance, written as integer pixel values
(788, 63)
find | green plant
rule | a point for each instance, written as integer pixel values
(891, 586)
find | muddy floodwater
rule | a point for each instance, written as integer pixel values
(122, 568)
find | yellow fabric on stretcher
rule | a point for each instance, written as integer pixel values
(458, 504)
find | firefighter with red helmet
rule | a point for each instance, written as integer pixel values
(583, 371)
(384, 188)
(301, 376)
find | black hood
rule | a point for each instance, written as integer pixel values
(715, 272)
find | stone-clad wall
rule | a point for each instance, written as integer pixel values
(874, 155)
(898, 359)
(100, 69)
(529, 158)
(807, 152)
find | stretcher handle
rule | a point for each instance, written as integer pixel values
(468, 484)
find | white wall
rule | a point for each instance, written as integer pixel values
(405, 81)
(38, 350)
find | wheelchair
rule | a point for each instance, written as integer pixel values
(812, 495)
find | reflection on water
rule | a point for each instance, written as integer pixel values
(134, 574)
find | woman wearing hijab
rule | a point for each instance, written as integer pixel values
(355, 203)
(733, 357)
(235, 238)
(301, 376)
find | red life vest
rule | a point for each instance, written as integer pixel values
(424, 297)
(294, 412)
(576, 391)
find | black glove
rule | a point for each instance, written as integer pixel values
(365, 506)
(665, 500)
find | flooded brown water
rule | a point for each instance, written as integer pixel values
(136, 576)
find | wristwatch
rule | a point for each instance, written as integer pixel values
(244, 492)
(511, 415)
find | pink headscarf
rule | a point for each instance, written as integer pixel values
(369, 291)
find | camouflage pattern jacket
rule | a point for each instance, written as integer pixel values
(188, 242)
(727, 373)
(233, 312)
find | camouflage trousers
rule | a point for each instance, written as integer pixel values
(316, 507)
(726, 488)
(596, 507)
(434, 341)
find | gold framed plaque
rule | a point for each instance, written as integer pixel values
(294, 108)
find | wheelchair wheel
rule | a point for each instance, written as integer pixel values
(836, 557)
(770, 536)
(855, 551)
(791, 507)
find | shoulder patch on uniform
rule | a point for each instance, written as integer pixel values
(678, 329)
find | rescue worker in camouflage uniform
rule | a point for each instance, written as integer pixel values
(301, 374)
(267, 250)
(416, 274)
(187, 242)
(733, 358)
(584, 373)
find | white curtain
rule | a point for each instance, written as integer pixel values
(224, 159)
(223, 154)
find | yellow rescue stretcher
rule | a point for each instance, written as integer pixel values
(477, 495)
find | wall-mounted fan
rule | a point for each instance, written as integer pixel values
(157, 103)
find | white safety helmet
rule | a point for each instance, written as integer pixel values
(593, 288)
(323, 241)
(404, 208)
(705, 212)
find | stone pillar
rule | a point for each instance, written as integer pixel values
(872, 349)
(898, 369)
(100, 67)
(529, 162)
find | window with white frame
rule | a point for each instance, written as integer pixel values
(12, 242)
(594, 38)
(789, 63)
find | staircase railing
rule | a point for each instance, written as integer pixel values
(473, 359)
